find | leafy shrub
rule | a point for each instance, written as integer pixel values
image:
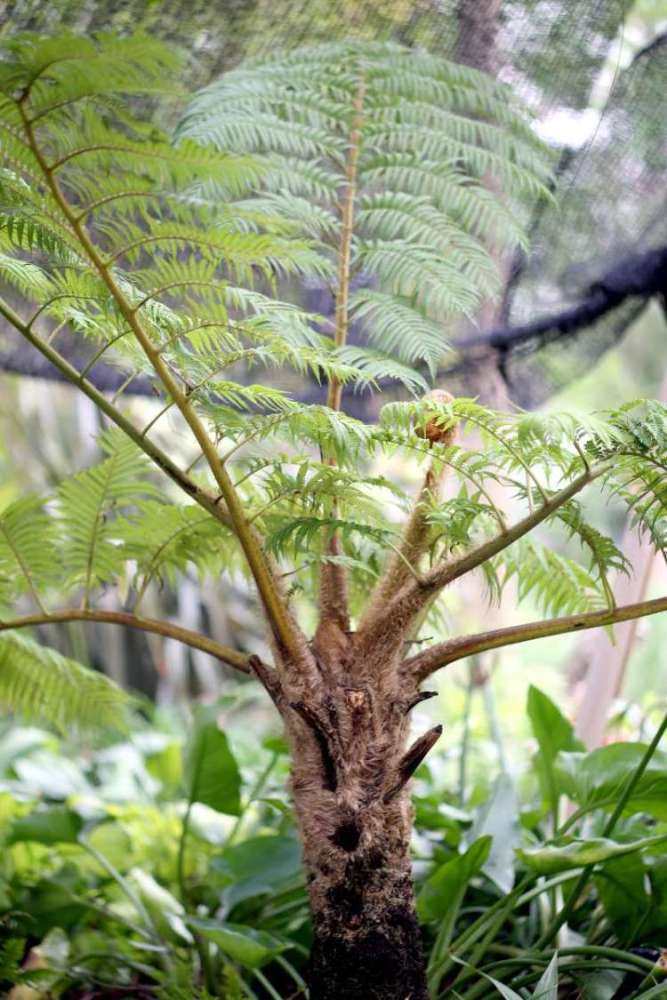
(154, 862)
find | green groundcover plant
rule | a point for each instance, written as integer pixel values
(388, 174)
(155, 858)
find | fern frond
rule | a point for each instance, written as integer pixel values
(86, 505)
(399, 326)
(41, 684)
(300, 534)
(638, 476)
(604, 555)
(427, 135)
(163, 540)
(28, 555)
(558, 585)
(372, 366)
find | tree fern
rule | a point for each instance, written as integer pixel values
(376, 170)
(371, 168)
(165, 539)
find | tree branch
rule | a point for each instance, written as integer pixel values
(445, 573)
(333, 598)
(231, 657)
(269, 679)
(403, 564)
(424, 664)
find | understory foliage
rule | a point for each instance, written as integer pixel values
(103, 887)
(367, 167)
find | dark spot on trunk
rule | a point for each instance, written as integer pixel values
(375, 859)
(347, 902)
(347, 835)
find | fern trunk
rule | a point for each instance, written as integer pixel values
(349, 784)
(367, 943)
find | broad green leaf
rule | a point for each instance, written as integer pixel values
(596, 779)
(19, 741)
(51, 776)
(113, 841)
(53, 902)
(249, 947)
(166, 763)
(57, 825)
(167, 913)
(442, 892)
(153, 895)
(625, 894)
(601, 985)
(260, 866)
(209, 824)
(548, 860)
(211, 771)
(553, 733)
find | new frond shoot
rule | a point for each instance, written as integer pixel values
(371, 170)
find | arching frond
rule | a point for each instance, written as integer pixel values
(382, 176)
(86, 507)
(28, 554)
(41, 684)
(165, 539)
(558, 585)
(430, 142)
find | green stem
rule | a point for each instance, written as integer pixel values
(284, 628)
(157, 456)
(423, 664)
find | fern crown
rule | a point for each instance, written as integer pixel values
(367, 167)
(432, 137)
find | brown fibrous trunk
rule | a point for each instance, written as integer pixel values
(350, 776)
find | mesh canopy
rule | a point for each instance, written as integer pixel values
(572, 290)
(602, 247)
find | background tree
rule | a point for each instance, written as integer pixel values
(167, 260)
